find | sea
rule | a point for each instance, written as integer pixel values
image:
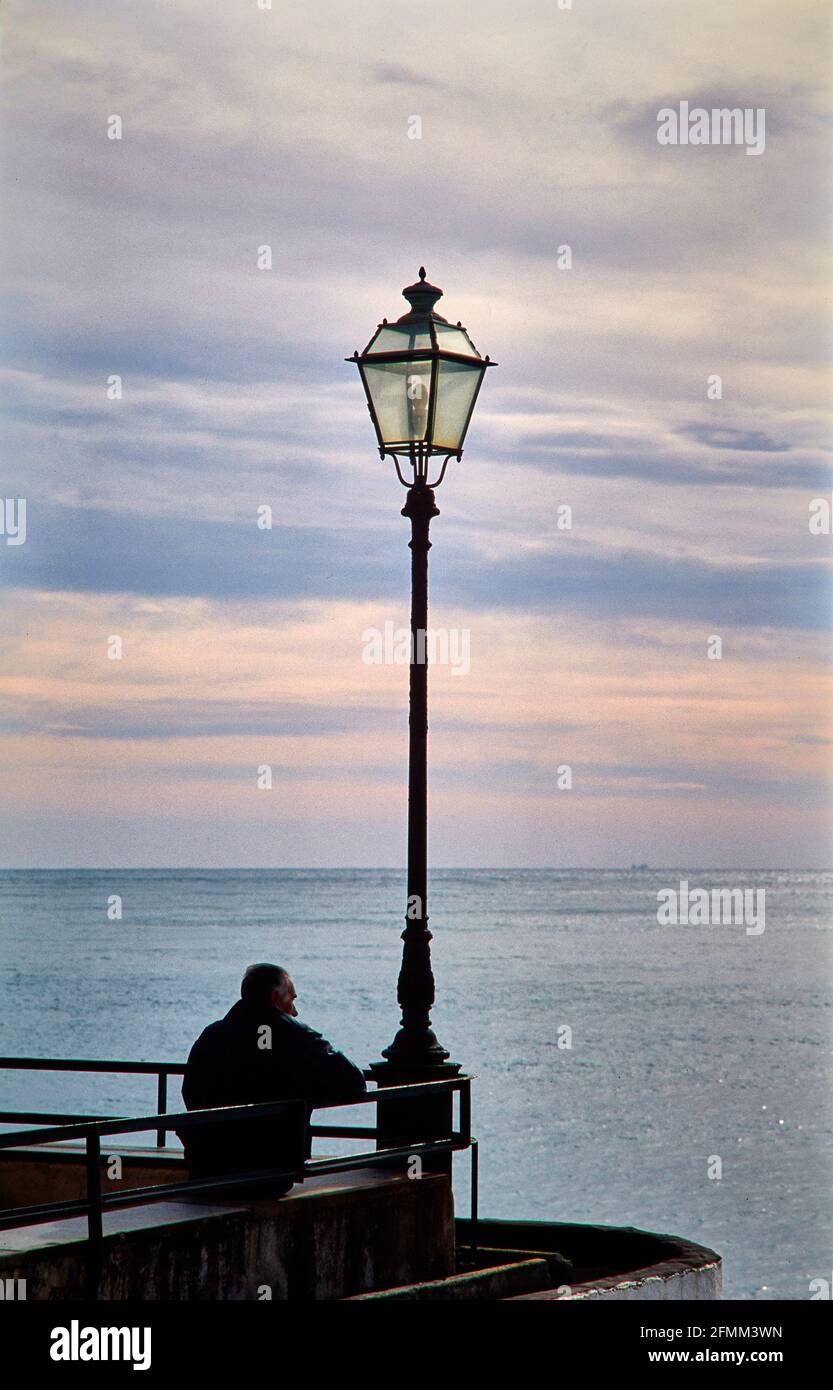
(671, 1076)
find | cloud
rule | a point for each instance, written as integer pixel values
(727, 437)
(396, 74)
(123, 553)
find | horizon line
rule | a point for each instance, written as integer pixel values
(401, 868)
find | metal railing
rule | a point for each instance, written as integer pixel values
(161, 1070)
(60, 1128)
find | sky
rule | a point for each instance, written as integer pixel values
(592, 647)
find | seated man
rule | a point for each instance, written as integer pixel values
(260, 1052)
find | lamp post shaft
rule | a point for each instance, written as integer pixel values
(415, 990)
(415, 1047)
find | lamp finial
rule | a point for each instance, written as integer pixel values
(422, 296)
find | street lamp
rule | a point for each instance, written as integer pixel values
(421, 376)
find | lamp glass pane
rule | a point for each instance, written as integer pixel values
(399, 393)
(392, 338)
(455, 340)
(456, 385)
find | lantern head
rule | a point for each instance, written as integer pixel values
(421, 376)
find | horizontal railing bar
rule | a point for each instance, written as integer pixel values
(37, 1117)
(452, 1144)
(186, 1119)
(149, 1068)
(43, 1212)
(88, 1064)
(93, 1064)
(134, 1196)
(343, 1131)
(189, 1119)
(41, 1117)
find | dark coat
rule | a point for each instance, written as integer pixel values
(229, 1065)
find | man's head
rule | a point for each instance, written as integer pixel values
(266, 984)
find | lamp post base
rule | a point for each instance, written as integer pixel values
(401, 1122)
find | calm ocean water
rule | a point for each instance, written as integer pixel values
(687, 1041)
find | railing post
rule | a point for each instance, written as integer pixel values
(465, 1108)
(161, 1105)
(305, 1135)
(95, 1228)
(474, 1196)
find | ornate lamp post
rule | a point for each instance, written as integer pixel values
(421, 376)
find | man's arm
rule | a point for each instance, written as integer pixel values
(328, 1074)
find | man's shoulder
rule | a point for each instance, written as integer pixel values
(213, 1032)
(289, 1035)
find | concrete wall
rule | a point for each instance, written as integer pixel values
(329, 1238)
(614, 1263)
(671, 1281)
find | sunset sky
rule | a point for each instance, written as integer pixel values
(289, 127)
